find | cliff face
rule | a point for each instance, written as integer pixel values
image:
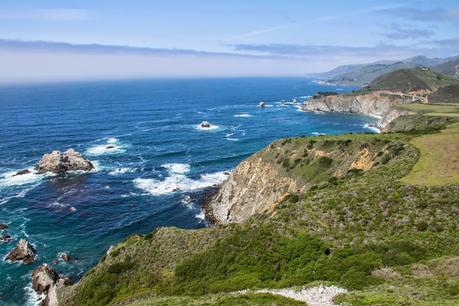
(263, 181)
(253, 187)
(379, 104)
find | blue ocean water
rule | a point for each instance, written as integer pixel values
(153, 162)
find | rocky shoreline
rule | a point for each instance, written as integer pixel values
(378, 104)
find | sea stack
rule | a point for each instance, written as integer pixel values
(23, 251)
(58, 162)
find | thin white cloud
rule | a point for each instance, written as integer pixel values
(54, 14)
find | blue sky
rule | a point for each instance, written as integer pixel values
(194, 38)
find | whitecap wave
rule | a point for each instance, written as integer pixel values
(201, 216)
(372, 128)
(243, 115)
(177, 168)
(33, 298)
(232, 139)
(318, 133)
(112, 146)
(178, 182)
(119, 171)
(11, 179)
(211, 128)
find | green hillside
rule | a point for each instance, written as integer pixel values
(447, 94)
(406, 80)
(359, 227)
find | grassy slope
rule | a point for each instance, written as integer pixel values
(406, 80)
(439, 161)
(343, 228)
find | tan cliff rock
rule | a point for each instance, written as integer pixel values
(380, 104)
(252, 188)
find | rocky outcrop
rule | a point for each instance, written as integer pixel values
(22, 172)
(47, 282)
(380, 104)
(254, 187)
(23, 251)
(58, 162)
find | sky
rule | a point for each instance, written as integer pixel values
(105, 39)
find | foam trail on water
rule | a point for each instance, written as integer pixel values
(243, 115)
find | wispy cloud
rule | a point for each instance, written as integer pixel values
(55, 14)
(421, 15)
(403, 31)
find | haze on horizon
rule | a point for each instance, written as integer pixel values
(83, 40)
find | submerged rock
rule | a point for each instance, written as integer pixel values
(65, 257)
(110, 147)
(3, 226)
(22, 172)
(59, 162)
(6, 238)
(23, 251)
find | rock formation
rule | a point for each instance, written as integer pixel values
(3, 226)
(380, 104)
(45, 280)
(23, 251)
(253, 187)
(59, 162)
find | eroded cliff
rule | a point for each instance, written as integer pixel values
(380, 104)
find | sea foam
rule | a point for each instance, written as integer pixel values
(112, 146)
(177, 181)
(10, 179)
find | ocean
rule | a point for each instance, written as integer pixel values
(154, 163)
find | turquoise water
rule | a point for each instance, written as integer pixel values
(160, 168)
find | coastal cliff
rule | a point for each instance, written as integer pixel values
(263, 181)
(380, 104)
(253, 187)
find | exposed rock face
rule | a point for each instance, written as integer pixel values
(23, 251)
(379, 104)
(45, 280)
(254, 187)
(59, 162)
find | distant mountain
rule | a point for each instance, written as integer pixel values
(450, 67)
(408, 80)
(362, 75)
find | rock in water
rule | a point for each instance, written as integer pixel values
(59, 162)
(3, 226)
(65, 257)
(205, 124)
(22, 172)
(23, 251)
(43, 278)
